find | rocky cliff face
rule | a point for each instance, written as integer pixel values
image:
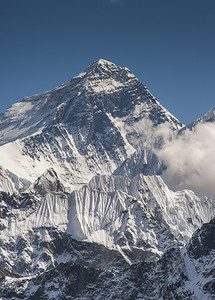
(84, 213)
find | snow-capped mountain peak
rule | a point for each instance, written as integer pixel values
(98, 118)
(101, 64)
(81, 199)
(103, 69)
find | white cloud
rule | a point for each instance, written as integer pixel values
(190, 159)
(140, 133)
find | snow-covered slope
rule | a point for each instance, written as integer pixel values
(11, 183)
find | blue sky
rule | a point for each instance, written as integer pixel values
(168, 44)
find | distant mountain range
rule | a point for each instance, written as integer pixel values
(85, 212)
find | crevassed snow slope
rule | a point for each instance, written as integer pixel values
(180, 212)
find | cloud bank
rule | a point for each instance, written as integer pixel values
(190, 159)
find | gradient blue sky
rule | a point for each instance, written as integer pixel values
(168, 44)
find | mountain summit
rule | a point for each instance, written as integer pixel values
(102, 66)
(84, 127)
(101, 85)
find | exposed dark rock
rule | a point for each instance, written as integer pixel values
(17, 201)
(48, 183)
(203, 240)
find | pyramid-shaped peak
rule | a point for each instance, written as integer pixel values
(102, 65)
(102, 69)
(102, 61)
